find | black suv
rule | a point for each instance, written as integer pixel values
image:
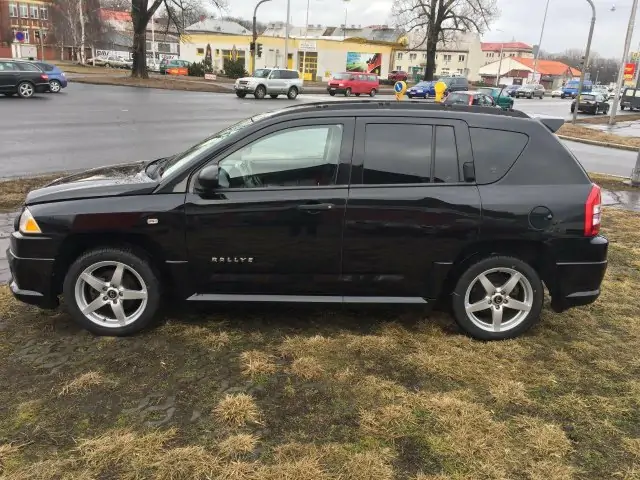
(362, 202)
(22, 78)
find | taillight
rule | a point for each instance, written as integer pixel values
(470, 100)
(592, 212)
(44, 76)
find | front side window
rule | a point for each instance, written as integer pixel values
(296, 157)
(8, 67)
(276, 74)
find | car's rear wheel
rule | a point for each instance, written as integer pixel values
(347, 92)
(26, 89)
(112, 291)
(107, 65)
(260, 92)
(333, 94)
(292, 94)
(498, 298)
(55, 86)
(373, 92)
(241, 94)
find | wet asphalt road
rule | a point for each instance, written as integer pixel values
(88, 126)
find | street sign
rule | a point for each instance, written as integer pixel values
(20, 36)
(307, 46)
(635, 56)
(629, 71)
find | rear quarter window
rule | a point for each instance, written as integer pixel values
(495, 152)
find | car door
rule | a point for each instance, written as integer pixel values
(410, 211)
(276, 83)
(274, 227)
(8, 75)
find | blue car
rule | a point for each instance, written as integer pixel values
(571, 88)
(422, 90)
(57, 79)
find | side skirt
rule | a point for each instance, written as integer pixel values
(224, 297)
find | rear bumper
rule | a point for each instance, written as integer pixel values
(32, 280)
(42, 87)
(578, 283)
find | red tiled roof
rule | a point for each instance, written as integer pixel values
(547, 67)
(495, 46)
(116, 15)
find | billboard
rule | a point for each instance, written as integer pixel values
(629, 71)
(364, 62)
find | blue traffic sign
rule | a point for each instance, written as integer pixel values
(20, 36)
(398, 87)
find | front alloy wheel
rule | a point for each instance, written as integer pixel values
(498, 298)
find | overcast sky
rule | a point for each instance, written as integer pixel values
(567, 21)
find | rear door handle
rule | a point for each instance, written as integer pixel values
(315, 207)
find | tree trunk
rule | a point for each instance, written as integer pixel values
(430, 67)
(139, 15)
(82, 32)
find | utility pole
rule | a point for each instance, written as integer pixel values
(255, 37)
(625, 54)
(499, 65)
(586, 60)
(306, 36)
(286, 36)
(153, 36)
(535, 60)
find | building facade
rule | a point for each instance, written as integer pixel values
(21, 22)
(493, 50)
(518, 71)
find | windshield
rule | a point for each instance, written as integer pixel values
(587, 97)
(458, 99)
(341, 76)
(486, 91)
(424, 84)
(262, 73)
(185, 157)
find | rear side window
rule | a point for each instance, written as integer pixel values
(397, 154)
(46, 67)
(445, 169)
(458, 99)
(495, 152)
(291, 75)
(27, 67)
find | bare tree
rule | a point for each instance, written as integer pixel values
(429, 22)
(141, 13)
(74, 23)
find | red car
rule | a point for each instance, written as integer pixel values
(398, 76)
(354, 83)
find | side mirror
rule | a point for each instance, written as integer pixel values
(209, 177)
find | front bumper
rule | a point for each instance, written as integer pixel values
(245, 88)
(578, 283)
(32, 280)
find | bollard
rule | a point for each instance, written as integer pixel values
(440, 88)
(400, 88)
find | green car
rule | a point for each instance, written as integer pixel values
(499, 95)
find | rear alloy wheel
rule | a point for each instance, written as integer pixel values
(54, 86)
(373, 92)
(498, 298)
(112, 291)
(26, 89)
(347, 92)
(260, 92)
(292, 94)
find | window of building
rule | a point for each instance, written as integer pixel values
(413, 56)
(447, 58)
(164, 47)
(445, 71)
(24, 10)
(397, 154)
(199, 51)
(399, 57)
(295, 157)
(460, 71)
(44, 13)
(34, 11)
(461, 58)
(399, 68)
(13, 10)
(424, 55)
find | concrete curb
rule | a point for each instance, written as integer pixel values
(599, 144)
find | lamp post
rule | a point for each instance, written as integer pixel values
(255, 37)
(286, 36)
(625, 54)
(535, 60)
(499, 65)
(586, 59)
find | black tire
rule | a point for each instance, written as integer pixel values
(131, 260)
(533, 294)
(273, 96)
(55, 86)
(292, 94)
(26, 89)
(621, 107)
(572, 109)
(347, 92)
(373, 92)
(409, 97)
(562, 96)
(108, 65)
(333, 94)
(241, 94)
(260, 92)
(531, 97)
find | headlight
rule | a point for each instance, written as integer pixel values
(28, 224)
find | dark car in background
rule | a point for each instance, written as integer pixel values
(422, 89)
(511, 90)
(473, 98)
(57, 78)
(592, 103)
(334, 202)
(455, 84)
(21, 77)
(502, 99)
(630, 98)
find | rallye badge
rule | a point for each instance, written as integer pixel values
(232, 259)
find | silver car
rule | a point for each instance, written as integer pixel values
(272, 82)
(531, 90)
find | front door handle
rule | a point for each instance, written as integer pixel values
(315, 207)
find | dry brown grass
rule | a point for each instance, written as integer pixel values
(237, 410)
(307, 368)
(206, 337)
(586, 133)
(610, 182)
(164, 83)
(256, 363)
(239, 444)
(82, 383)
(597, 120)
(13, 191)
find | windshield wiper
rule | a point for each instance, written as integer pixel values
(154, 168)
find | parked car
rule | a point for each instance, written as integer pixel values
(499, 96)
(57, 78)
(556, 93)
(455, 84)
(353, 83)
(512, 89)
(531, 90)
(174, 67)
(630, 99)
(272, 82)
(112, 62)
(470, 98)
(397, 76)
(602, 90)
(153, 65)
(593, 103)
(422, 89)
(21, 77)
(570, 88)
(303, 205)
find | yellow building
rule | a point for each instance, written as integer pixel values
(319, 58)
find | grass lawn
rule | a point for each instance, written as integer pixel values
(165, 83)
(586, 133)
(270, 393)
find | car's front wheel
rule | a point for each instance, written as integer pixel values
(260, 92)
(241, 94)
(347, 92)
(112, 291)
(498, 298)
(26, 89)
(55, 86)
